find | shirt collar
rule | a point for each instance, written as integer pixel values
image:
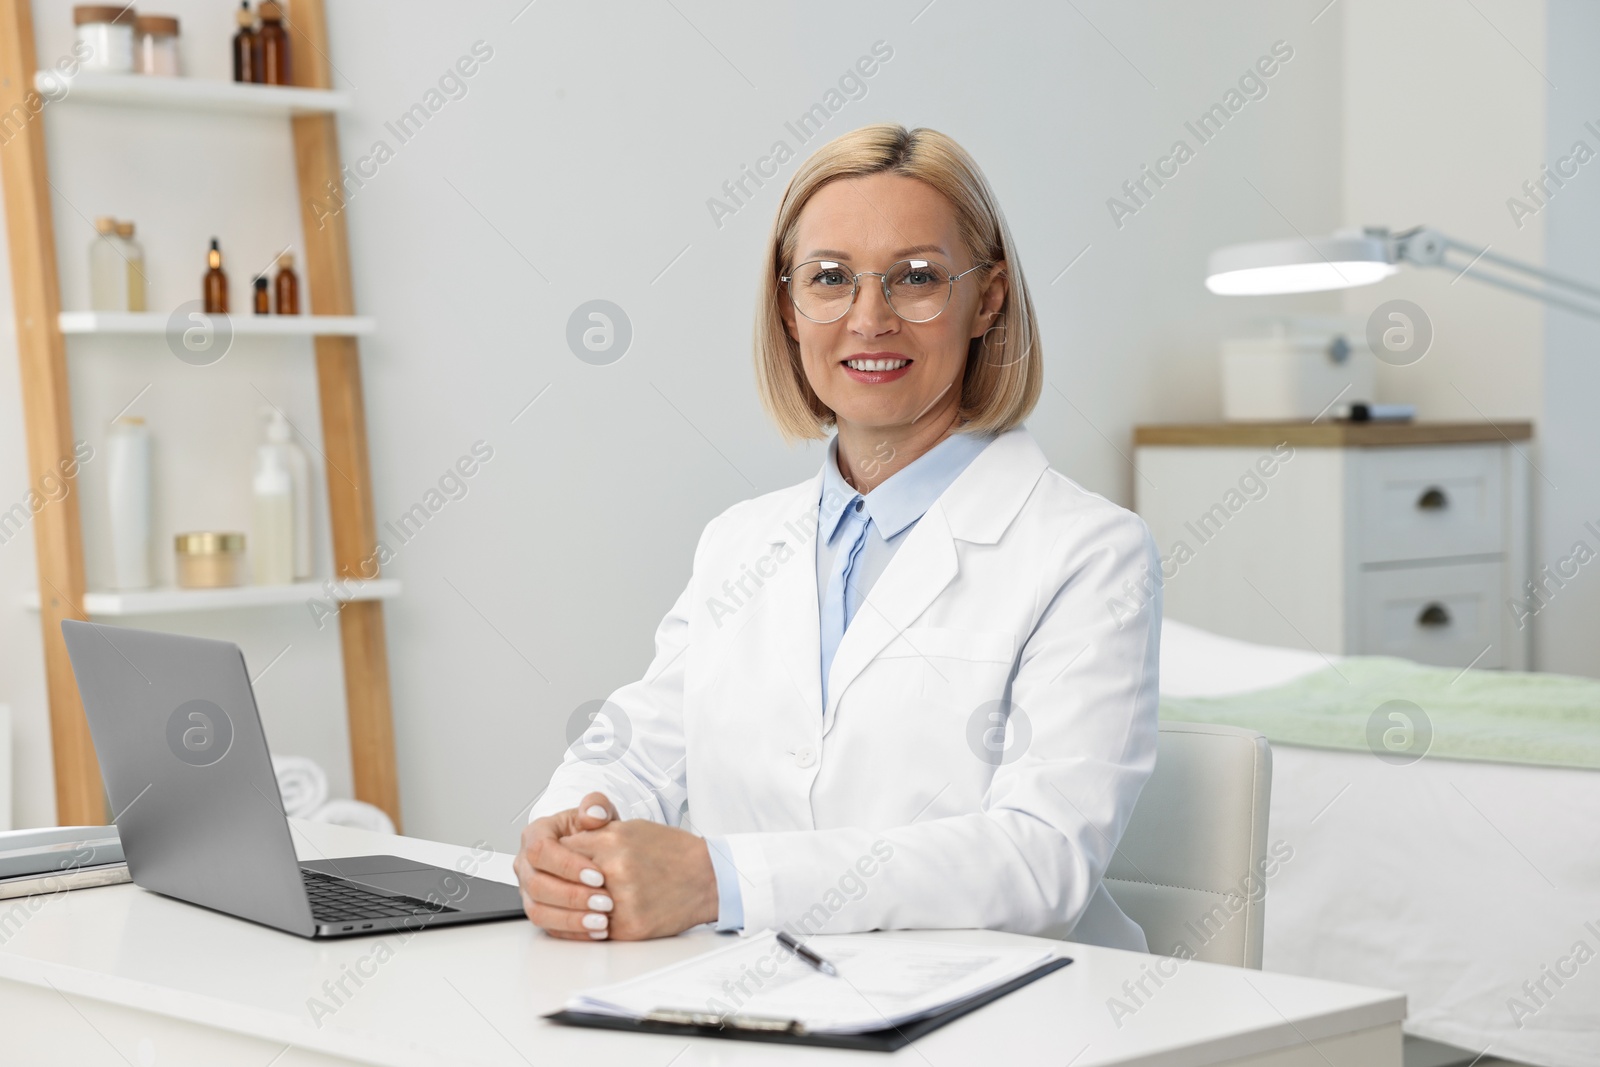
(906, 496)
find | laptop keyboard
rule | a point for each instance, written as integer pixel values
(335, 900)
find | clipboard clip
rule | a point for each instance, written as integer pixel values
(764, 1023)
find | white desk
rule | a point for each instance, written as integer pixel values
(121, 976)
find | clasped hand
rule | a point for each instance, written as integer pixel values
(587, 874)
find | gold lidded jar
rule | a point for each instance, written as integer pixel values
(210, 560)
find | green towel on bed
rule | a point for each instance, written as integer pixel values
(1500, 716)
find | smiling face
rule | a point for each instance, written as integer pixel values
(877, 372)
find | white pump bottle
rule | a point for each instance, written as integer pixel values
(279, 433)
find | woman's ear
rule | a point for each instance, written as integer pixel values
(994, 298)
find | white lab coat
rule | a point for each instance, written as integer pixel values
(891, 809)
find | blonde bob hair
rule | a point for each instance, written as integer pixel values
(1003, 377)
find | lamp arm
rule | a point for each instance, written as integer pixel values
(1425, 247)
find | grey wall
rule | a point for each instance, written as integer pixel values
(578, 166)
(1568, 625)
(1443, 120)
(588, 150)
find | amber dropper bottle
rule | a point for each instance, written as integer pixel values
(287, 286)
(246, 66)
(263, 298)
(216, 282)
(274, 44)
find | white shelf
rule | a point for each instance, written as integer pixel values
(155, 322)
(193, 94)
(169, 600)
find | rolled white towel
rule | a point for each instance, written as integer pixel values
(303, 784)
(354, 813)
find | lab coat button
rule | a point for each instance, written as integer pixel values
(805, 757)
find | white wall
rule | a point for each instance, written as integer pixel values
(585, 151)
(1444, 119)
(1449, 109)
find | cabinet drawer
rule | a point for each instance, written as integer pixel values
(1443, 615)
(1427, 503)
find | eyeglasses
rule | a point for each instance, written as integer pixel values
(917, 290)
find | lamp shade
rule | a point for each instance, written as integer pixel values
(1301, 265)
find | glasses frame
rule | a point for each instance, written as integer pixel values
(883, 284)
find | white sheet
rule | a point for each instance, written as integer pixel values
(1199, 663)
(1455, 881)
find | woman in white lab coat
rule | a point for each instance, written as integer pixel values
(917, 690)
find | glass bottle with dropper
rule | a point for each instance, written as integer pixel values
(215, 282)
(246, 65)
(274, 44)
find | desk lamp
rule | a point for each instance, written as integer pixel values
(1351, 258)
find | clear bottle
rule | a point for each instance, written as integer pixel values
(128, 486)
(272, 517)
(108, 270)
(280, 433)
(133, 253)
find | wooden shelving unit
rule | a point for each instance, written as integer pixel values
(309, 106)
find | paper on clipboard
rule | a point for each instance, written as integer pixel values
(882, 982)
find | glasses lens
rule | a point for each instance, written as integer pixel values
(918, 289)
(821, 290)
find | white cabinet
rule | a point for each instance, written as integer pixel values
(1374, 539)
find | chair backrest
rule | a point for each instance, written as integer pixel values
(1191, 868)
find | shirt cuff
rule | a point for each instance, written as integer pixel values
(730, 903)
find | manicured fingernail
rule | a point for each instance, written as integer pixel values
(596, 922)
(599, 935)
(595, 811)
(599, 902)
(590, 876)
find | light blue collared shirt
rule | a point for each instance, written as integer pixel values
(893, 510)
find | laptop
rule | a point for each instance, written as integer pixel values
(190, 781)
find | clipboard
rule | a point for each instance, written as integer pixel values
(789, 1032)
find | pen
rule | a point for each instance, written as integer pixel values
(806, 954)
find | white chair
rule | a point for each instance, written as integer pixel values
(1192, 867)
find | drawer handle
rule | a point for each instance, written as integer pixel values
(1433, 499)
(1434, 615)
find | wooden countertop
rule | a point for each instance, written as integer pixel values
(1330, 434)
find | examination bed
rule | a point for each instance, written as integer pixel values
(1468, 877)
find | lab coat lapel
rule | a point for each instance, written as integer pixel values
(916, 575)
(977, 507)
(794, 597)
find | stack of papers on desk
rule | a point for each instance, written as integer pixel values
(883, 982)
(51, 859)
